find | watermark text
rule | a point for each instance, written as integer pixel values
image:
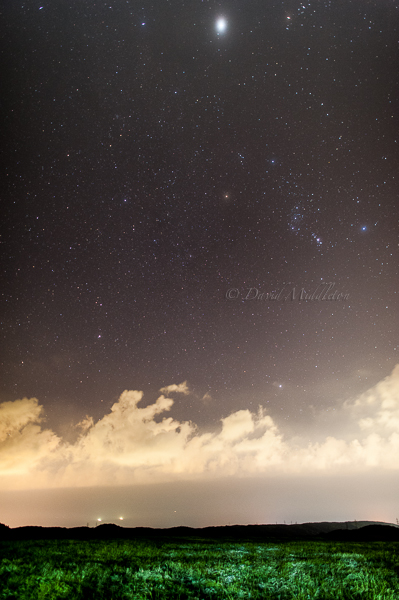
(289, 291)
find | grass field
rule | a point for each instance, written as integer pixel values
(48, 570)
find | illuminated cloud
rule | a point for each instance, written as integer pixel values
(134, 444)
(85, 423)
(181, 389)
(377, 409)
(23, 443)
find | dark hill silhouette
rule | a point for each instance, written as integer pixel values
(349, 531)
(369, 533)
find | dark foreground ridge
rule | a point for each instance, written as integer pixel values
(351, 531)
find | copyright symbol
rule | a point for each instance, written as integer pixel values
(232, 294)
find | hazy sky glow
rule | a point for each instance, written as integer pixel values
(199, 308)
(137, 446)
(134, 444)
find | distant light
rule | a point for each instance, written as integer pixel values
(221, 25)
(364, 228)
(99, 520)
(121, 518)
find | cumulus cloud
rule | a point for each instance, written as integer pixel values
(134, 444)
(377, 409)
(23, 442)
(14, 416)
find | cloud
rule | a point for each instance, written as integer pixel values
(14, 416)
(181, 389)
(85, 423)
(23, 443)
(206, 398)
(134, 444)
(129, 435)
(378, 408)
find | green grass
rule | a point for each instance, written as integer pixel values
(113, 570)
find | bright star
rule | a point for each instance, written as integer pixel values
(221, 25)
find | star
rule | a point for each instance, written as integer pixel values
(221, 25)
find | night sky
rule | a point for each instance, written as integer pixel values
(200, 202)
